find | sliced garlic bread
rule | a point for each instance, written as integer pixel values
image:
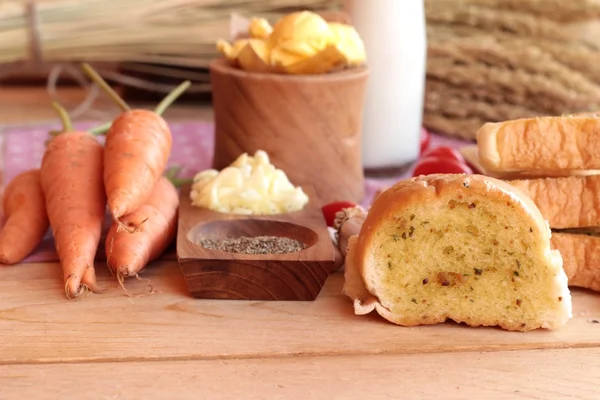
(540, 144)
(472, 249)
(567, 202)
(581, 258)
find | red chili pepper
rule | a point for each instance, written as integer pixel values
(444, 152)
(329, 210)
(433, 165)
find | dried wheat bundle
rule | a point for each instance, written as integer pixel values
(555, 10)
(157, 38)
(492, 60)
(173, 32)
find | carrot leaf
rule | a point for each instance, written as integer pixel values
(171, 175)
(171, 97)
(64, 117)
(172, 172)
(177, 182)
(100, 130)
(98, 80)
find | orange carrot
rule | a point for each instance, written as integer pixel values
(71, 179)
(26, 221)
(127, 253)
(137, 148)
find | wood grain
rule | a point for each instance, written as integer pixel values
(310, 125)
(37, 325)
(211, 274)
(547, 375)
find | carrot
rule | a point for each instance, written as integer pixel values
(137, 148)
(127, 253)
(26, 221)
(71, 179)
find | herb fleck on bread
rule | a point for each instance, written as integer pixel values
(468, 248)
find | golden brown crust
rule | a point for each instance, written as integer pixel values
(359, 282)
(581, 258)
(544, 143)
(569, 202)
(565, 202)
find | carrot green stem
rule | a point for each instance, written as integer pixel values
(98, 80)
(171, 97)
(64, 117)
(100, 130)
(171, 175)
(172, 172)
(180, 182)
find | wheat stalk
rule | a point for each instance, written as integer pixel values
(555, 10)
(491, 60)
(175, 32)
(498, 20)
(465, 128)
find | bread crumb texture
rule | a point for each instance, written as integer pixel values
(467, 248)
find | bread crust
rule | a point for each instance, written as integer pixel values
(569, 202)
(470, 153)
(543, 143)
(581, 258)
(363, 288)
(565, 202)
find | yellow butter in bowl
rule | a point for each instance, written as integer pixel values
(251, 185)
(302, 34)
(299, 43)
(260, 28)
(348, 42)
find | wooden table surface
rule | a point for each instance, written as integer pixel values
(110, 346)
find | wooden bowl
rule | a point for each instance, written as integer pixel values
(213, 274)
(310, 125)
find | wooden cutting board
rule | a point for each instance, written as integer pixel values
(38, 325)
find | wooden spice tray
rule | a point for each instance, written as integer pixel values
(214, 274)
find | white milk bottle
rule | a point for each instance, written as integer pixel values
(394, 35)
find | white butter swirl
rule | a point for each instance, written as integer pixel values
(251, 185)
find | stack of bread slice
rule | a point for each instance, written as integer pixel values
(556, 162)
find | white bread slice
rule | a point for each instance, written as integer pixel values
(543, 143)
(468, 248)
(565, 202)
(581, 258)
(568, 202)
(471, 155)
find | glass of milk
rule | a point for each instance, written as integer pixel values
(394, 35)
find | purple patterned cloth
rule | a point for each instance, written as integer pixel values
(22, 149)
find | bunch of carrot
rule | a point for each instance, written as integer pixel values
(79, 178)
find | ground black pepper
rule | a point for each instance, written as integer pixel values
(254, 245)
(478, 271)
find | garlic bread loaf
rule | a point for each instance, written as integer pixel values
(468, 248)
(548, 144)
